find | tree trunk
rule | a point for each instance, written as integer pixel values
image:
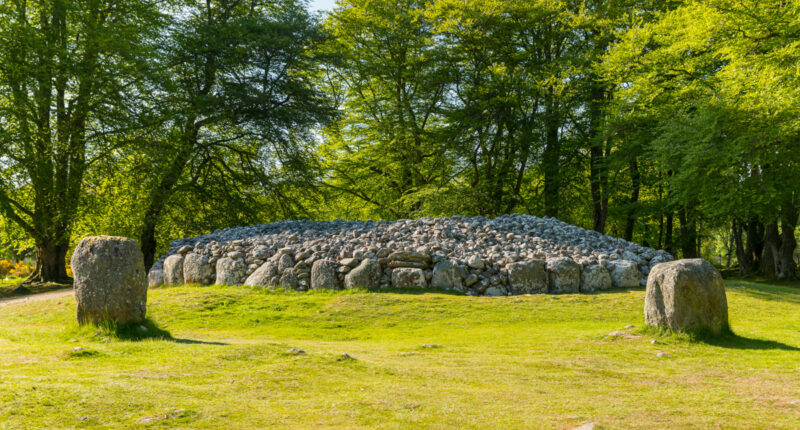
(51, 263)
(630, 220)
(745, 263)
(160, 195)
(787, 269)
(755, 245)
(688, 234)
(550, 159)
(598, 172)
(769, 255)
(668, 244)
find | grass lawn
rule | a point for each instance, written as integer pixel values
(413, 361)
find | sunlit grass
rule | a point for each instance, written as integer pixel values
(235, 357)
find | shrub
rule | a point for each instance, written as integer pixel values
(21, 269)
(6, 267)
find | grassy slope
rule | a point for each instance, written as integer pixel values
(515, 362)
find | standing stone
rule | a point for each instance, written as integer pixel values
(527, 277)
(595, 277)
(447, 276)
(564, 275)
(686, 295)
(197, 269)
(173, 270)
(367, 275)
(262, 277)
(408, 278)
(323, 275)
(110, 283)
(230, 271)
(624, 274)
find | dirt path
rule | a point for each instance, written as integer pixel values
(35, 297)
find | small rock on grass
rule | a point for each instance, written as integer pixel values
(295, 351)
(431, 345)
(345, 356)
(663, 354)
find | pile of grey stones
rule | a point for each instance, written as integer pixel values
(508, 255)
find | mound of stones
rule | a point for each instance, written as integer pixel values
(512, 254)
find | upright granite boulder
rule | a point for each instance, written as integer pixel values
(367, 274)
(323, 275)
(595, 277)
(406, 277)
(527, 277)
(262, 277)
(447, 276)
(625, 274)
(197, 269)
(156, 277)
(110, 282)
(173, 270)
(686, 295)
(230, 271)
(564, 275)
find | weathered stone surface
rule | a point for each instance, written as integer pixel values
(262, 277)
(156, 277)
(323, 275)
(595, 277)
(625, 274)
(367, 275)
(686, 295)
(408, 278)
(197, 269)
(110, 283)
(564, 275)
(527, 277)
(173, 270)
(495, 292)
(409, 256)
(230, 271)
(285, 261)
(289, 280)
(447, 276)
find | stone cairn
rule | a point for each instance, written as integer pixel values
(512, 254)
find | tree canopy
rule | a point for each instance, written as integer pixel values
(674, 124)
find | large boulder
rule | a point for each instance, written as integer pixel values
(564, 275)
(408, 278)
(323, 275)
(173, 270)
(527, 277)
(625, 274)
(447, 276)
(367, 275)
(686, 295)
(595, 277)
(156, 277)
(197, 269)
(262, 277)
(230, 271)
(110, 283)
(289, 280)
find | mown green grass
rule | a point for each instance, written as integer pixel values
(415, 361)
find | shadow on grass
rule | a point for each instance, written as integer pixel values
(147, 329)
(731, 340)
